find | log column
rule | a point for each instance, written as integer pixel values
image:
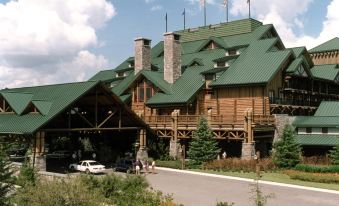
(142, 152)
(248, 146)
(38, 156)
(174, 144)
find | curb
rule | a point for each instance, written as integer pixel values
(249, 180)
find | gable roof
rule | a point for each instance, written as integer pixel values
(331, 45)
(17, 101)
(155, 77)
(183, 90)
(256, 65)
(59, 96)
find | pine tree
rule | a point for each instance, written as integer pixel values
(5, 174)
(334, 154)
(203, 147)
(286, 150)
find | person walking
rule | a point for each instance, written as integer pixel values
(153, 167)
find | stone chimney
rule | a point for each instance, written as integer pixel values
(142, 57)
(172, 57)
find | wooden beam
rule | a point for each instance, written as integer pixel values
(84, 118)
(89, 129)
(107, 118)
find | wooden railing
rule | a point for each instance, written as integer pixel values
(263, 120)
(215, 121)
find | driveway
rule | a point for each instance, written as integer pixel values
(201, 190)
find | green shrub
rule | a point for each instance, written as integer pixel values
(175, 164)
(313, 177)
(286, 149)
(237, 165)
(70, 192)
(203, 147)
(27, 176)
(317, 169)
(334, 154)
(224, 204)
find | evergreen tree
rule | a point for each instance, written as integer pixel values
(203, 147)
(5, 174)
(286, 149)
(334, 154)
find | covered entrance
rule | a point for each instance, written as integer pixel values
(68, 122)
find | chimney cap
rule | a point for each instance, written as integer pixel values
(142, 38)
(171, 33)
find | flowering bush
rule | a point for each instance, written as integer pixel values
(237, 164)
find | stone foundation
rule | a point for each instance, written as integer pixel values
(280, 121)
(174, 149)
(247, 151)
(39, 162)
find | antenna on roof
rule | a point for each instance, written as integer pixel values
(249, 8)
(166, 21)
(184, 14)
(225, 4)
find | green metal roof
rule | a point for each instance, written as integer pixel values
(294, 65)
(328, 109)
(59, 97)
(316, 121)
(183, 90)
(317, 140)
(224, 29)
(331, 45)
(155, 77)
(298, 51)
(17, 101)
(327, 71)
(256, 65)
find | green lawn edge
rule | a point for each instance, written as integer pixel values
(278, 177)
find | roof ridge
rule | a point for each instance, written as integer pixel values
(39, 86)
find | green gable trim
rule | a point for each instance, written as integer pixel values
(329, 109)
(317, 140)
(17, 101)
(217, 41)
(331, 45)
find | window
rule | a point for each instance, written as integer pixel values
(220, 64)
(120, 74)
(301, 71)
(324, 130)
(141, 94)
(211, 45)
(148, 93)
(232, 52)
(143, 91)
(308, 130)
(271, 95)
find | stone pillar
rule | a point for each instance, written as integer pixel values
(142, 54)
(142, 152)
(174, 144)
(172, 57)
(38, 156)
(281, 120)
(247, 150)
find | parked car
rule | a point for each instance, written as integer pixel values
(125, 165)
(59, 154)
(88, 166)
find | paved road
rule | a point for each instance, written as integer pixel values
(195, 190)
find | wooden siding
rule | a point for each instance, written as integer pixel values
(325, 58)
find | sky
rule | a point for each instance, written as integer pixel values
(57, 41)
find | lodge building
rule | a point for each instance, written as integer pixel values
(238, 75)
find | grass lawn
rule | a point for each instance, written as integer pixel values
(274, 177)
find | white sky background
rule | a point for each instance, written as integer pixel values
(49, 41)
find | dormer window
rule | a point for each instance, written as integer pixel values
(211, 45)
(231, 52)
(221, 64)
(301, 71)
(131, 64)
(120, 74)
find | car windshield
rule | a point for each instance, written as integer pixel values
(94, 163)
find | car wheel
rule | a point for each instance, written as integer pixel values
(72, 168)
(128, 171)
(87, 171)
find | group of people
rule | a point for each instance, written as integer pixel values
(139, 166)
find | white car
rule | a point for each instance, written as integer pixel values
(88, 166)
